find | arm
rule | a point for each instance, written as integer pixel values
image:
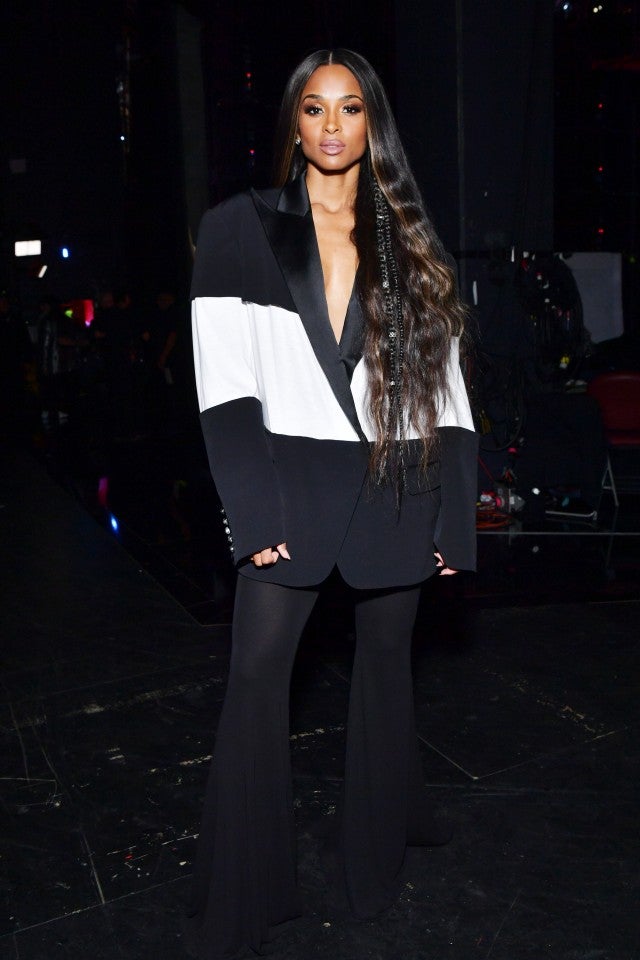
(230, 407)
(455, 534)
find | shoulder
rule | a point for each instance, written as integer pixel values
(217, 269)
(225, 213)
(270, 195)
(230, 238)
(241, 204)
(236, 218)
(227, 228)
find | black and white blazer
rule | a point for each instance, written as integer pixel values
(284, 413)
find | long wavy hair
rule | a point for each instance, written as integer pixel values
(427, 307)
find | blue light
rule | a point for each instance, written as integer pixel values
(65, 253)
(114, 523)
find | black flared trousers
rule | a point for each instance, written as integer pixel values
(244, 885)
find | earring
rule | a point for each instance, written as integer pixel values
(298, 141)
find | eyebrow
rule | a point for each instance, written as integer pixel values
(318, 96)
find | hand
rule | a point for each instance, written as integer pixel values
(444, 570)
(269, 556)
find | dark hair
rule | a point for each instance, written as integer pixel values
(429, 311)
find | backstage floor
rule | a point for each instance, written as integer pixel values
(115, 642)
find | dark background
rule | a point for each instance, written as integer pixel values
(526, 693)
(521, 120)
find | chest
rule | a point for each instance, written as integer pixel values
(339, 259)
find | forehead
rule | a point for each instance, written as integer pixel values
(332, 80)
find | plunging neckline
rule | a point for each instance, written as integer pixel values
(346, 315)
(338, 340)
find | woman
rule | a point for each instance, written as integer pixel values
(326, 328)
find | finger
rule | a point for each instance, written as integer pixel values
(448, 572)
(268, 556)
(282, 550)
(263, 557)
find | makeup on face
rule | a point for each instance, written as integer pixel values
(332, 120)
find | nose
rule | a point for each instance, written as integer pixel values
(332, 124)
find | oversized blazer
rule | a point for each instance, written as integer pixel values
(284, 413)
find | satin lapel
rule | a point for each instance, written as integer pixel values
(352, 339)
(292, 237)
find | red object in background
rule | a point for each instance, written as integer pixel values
(628, 62)
(618, 395)
(81, 310)
(103, 492)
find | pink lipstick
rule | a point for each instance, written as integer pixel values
(332, 147)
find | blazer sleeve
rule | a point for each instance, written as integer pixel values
(240, 459)
(455, 533)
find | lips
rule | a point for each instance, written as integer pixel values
(332, 147)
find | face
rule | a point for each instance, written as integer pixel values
(331, 121)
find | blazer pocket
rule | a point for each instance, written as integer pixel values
(421, 480)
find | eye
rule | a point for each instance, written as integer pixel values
(313, 110)
(352, 108)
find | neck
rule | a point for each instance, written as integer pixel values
(334, 191)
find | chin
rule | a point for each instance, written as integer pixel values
(333, 164)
